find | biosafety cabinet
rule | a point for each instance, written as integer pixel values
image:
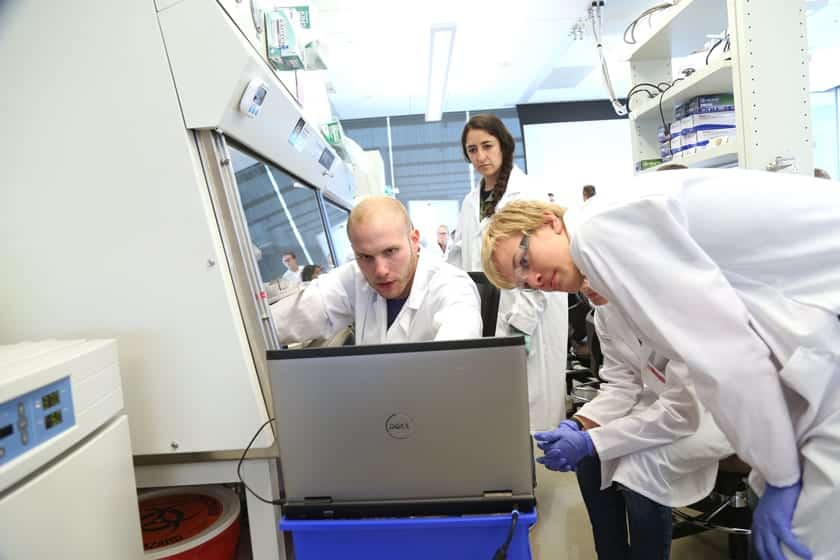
(153, 170)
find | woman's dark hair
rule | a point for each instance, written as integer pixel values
(492, 125)
(308, 272)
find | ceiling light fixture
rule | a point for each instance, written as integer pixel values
(442, 40)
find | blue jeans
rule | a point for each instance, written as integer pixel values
(611, 511)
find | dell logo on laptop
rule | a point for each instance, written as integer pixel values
(398, 426)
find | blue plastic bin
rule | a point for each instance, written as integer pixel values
(415, 538)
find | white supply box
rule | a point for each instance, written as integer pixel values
(704, 120)
(709, 137)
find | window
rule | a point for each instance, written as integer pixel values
(337, 218)
(428, 161)
(824, 124)
(283, 216)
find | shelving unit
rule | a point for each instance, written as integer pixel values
(682, 30)
(720, 156)
(766, 70)
(715, 78)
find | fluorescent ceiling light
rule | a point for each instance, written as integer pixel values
(440, 55)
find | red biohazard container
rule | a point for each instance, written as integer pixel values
(190, 523)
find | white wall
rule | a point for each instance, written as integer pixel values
(569, 155)
(428, 215)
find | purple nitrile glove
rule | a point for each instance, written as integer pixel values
(544, 439)
(567, 451)
(772, 521)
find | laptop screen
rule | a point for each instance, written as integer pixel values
(403, 426)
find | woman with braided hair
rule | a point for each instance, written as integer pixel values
(543, 318)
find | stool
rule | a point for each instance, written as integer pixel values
(725, 509)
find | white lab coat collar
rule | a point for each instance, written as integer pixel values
(421, 280)
(415, 296)
(379, 307)
(571, 221)
(516, 186)
(517, 182)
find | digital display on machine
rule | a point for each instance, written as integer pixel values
(326, 159)
(259, 97)
(50, 400)
(52, 419)
(6, 431)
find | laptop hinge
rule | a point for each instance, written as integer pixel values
(317, 500)
(496, 494)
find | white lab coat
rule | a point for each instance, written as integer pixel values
(654, 436)
(443, 305)
(542, 316)
(737, 274)
(291, 277)
(438, 252)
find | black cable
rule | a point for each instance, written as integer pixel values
(713, 47)
(666, 126)
(637, 88)
(651, 90)
(579, 299)
(627, 103)
(501, 553)
(656, 87)
(631, 28)
(662, 113)
(645, 84)
(239, 467)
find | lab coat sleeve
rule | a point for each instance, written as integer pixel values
(640, 256)
(458, 314)
(525, 311)
(673, 416)
(455, 257)
(622, 383)
(318, 310)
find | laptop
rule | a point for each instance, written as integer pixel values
(429, 428)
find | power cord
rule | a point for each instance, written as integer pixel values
(595, 19)
(651, 89)
(501, 553)
(631, 29)
(239, 467)
(724, 40)
(666, 126)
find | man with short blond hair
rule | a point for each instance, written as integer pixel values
(391, 291)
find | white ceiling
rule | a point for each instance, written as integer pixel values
(505, 53)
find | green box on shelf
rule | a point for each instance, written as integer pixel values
(332, 132)
(282, 44)
(647, 164)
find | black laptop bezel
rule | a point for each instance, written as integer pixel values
(395, 348)
(403, 508)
